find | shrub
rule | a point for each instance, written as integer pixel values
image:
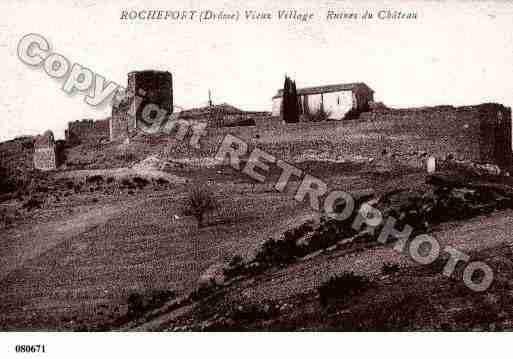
(352, 114)
(199, 202)
(318, 115)
(279, 252)
(203, 292)
(162, 181)
(298, 232)
(140, 181)
(252, 312)
(95, 179)
(390, 268)
(235, 267)
(7, 217)
(32, 203)
(7, 182)
(127, 183)
(141, 302)
(340, 288)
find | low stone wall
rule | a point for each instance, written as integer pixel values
(87, 131)
(480, 134)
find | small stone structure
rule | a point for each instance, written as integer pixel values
(45, 157)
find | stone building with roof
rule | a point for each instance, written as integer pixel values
(338, 100)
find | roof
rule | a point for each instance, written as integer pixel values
(328, 88)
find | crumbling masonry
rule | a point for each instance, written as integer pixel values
(45, 157)
(144, 87)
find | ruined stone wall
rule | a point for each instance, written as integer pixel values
(87, 131)
(238, 119)
(45, 156)
(470, 133)
(18, 155)
(118, 126)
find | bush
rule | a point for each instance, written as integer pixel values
(252, 312)
(162, 181)
(7, 182)
(32, 203)
(298, 232)
(320, 114)
(199, 202)
(287, 250)
(141, 302)
(279, 252)
(341, 288)
(235, 267)
(8, 217)
(390, 268)
(203, 292)
(95, 179)
(140, 182)
(352, 114)
(127, 183)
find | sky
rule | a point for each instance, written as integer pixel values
(455, 52)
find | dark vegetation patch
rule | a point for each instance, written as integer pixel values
(141, 302)
(140, 182)
(340, 288)
(200, 201)
(8, 217)
(95, 179)
(390, 268)
(7, 181)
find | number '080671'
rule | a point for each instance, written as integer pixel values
(38, 348)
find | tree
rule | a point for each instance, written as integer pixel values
(199, 202)
(294, 103)
(289, 105)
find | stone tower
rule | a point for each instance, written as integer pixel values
(144, 87)
(152, 87)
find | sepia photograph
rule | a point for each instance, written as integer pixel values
(242, 166)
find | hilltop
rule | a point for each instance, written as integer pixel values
(106, 241)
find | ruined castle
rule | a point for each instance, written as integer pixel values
(481, 133)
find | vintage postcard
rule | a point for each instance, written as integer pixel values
(200, 166)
